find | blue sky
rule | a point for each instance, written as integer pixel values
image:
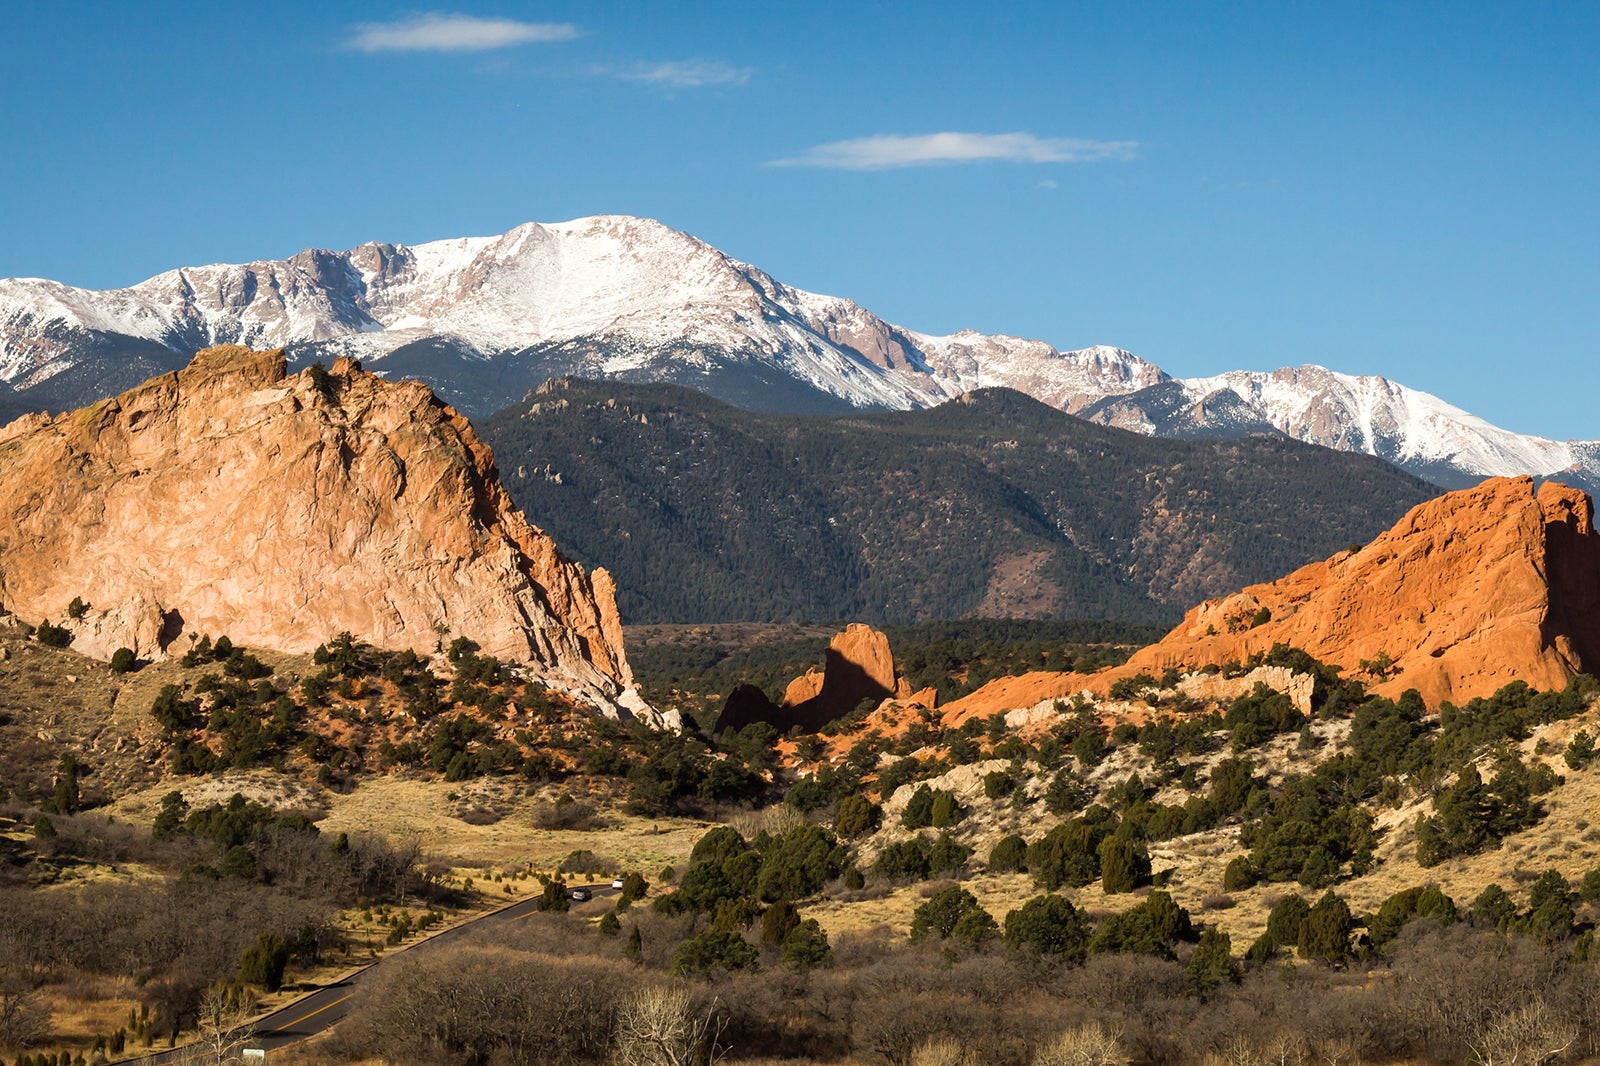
(1398, 189)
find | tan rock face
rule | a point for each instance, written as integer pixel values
(807, 686)
(1468, 592)
(857, 666)
(858, 658)
(232, 498)
(1215, 688)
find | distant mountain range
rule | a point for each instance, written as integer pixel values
(1372, 415)
(992, 505)
(485, 319)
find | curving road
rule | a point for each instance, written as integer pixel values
(319, 1011)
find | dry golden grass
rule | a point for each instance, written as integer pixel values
(999, 894)
(88, 1007)
(324, 1049)
(267, 787)
(74, 683)
(429, 811)
(85, 1007)
(54, 700)
(439, 816)
(893, 910)
(1563, 841)
(421, 809)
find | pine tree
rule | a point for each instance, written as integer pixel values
(1124, 865)
(1211, 966)
(635, 947)
(263, 963)
(1325, 934)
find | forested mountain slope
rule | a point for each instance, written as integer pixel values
(991, 505)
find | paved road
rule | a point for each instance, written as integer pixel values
(319, 1011)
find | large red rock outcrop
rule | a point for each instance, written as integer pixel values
(231, 497)
(857, 666)
(1468, 592)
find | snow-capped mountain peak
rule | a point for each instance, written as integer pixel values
(633, 287)
(1355, 413)
(484, 319)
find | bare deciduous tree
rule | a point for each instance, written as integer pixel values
(1528, 1034)
(1236, 1050)
(220, 1027)
(23, 1019)
(1093, 1044)
(941, 1051)
(490, 1004)
(1285, 1048)
(1339, 1051)
(657, 1026)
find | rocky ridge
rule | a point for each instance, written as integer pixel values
(484, 319)
(993, 505)
(1465, 594)
(1368, 414)
(233, 498)
(487, 319)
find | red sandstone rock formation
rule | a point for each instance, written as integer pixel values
(1468, 592)
(858, 666)
(808, 686)
(231, 498)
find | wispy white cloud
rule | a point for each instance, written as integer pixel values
(683, 74)
(435, 32)
(937, 149)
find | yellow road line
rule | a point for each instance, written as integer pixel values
(313, 1014)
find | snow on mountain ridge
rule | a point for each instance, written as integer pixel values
(617, 296)
(617, 279)
(1371, 414)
